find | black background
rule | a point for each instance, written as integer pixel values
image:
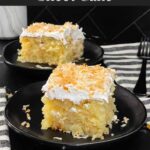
(77, 2)
(107, 25)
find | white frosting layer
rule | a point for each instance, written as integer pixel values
(76, 95)
(75, 33)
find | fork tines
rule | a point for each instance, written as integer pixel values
(144, 48)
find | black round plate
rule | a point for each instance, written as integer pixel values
(92, 52)
(127, 104)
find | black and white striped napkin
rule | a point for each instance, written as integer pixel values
(4, 135)
(123, 58)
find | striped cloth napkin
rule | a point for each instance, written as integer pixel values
(123, 58)
(4, 137)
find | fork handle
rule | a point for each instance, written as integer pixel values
(140, 88)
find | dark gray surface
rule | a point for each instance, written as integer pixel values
(14, 80)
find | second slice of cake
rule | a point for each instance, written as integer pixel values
(79, 99)
(51, 44)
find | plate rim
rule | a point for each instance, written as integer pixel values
(22, 132)
(100, 58)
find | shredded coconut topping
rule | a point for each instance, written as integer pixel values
(59, 32)
(79, 82)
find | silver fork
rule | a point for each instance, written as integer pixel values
(143, 53)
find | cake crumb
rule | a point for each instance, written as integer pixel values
(25, 124)
(28, 110)
(77, 136)
(41, 67)
(68, 131)
(148, 125)
(123, 125)
(63, 147)
(57, 138)
(81, 137)
(125, 120)
(112, 134)
(81, 58)
(9, 95)
(87, 59)
(28, 125)
(115, 119)
(28, 116)
(25, 107)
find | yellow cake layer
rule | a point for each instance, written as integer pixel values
(90, 118)
(49, 50)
